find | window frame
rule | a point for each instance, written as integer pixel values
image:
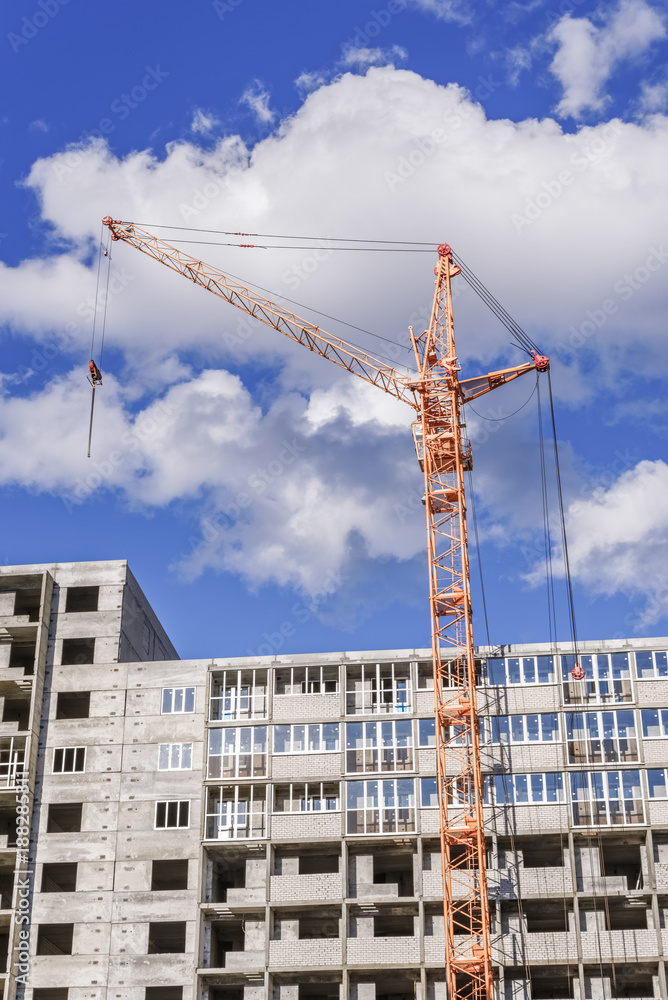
(659, 671)
(490, 723)
(247, 763)
(600, 806)
(170, 750)
(173, 693)
(375, 754)
(382, 807)
(246, 818)
(313, 681)
(320, 795)
(592, 748)
(180, 803)
(307, 727)
(79, 753)
(243, 694)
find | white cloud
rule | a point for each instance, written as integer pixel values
(39, 125)
(618, 539)
(362, 158)
(518, 59)
(446, 10)
(306, 82)
(653, 97)
(203, 122)
(257, 99)
(587, 55)
(362, 58)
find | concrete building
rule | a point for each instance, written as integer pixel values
(251, 829)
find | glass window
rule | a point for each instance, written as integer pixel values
(238, 694)
(542, 728)
(237, 752)
(611, 798)
(427, 732)
(429, 793)
(178, 700)
(651, 664)
(378, 688)
(601, 737)
(527, 670)
(236, 812)
(175, 756)
(607, 678)
(654, 722)
(307, 680)
(656, 783)
(381, 806)
(379, 746)
(172, 815)
(69, 760)
(314, 738)
(311, 796)
(526, 789)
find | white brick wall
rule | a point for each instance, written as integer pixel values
(293, 707)
(390, 951)
(314, 954)
(503, 882)
(288, 888)
(293, 767)
(513, 949)
(623, 946)
(297, 826)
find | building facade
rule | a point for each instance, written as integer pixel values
(267, 829)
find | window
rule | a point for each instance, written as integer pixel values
(22, 655)
(161, 993)
(427, 732)
(64, 817)
(429, 793)
(237, 752)
(312, 796)
(386, 806)
(172, 815)
(172, 874)
(50, 992)
(610, 798)
(425, 676)
(650, 665)
(175, 756)
(81, 599)
(607, 678)
(236, 812)
(176, 700)
(316, 738)
(167, 938)
(375, 688)
(59, 877)
(73, 705)
(77, 651)
(27, 602)
(12, 761)
(55, 939)
(601, 737)
(524, 670)
(656, 783)
(520, 729)
(654, 722)
(525, 789)
(379, 746)
(238, 694)
(68, 760)
(307, 680)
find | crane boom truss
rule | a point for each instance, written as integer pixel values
(437, 394)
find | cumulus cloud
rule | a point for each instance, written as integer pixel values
(361, 158)
(587, 55)
(256, 97)
(653, 98)
(203, 122)
(446, 10)
(618, 539)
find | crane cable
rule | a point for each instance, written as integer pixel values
(94, 373)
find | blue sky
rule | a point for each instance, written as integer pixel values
(531, 136)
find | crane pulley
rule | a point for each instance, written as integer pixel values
(437, 394)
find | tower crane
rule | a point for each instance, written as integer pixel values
(436, 394)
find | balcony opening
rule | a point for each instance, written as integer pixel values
(77, 651)
(227, 874)
(398, 986)
(163, 993)
(50, 993)
(394, 869)
(8, 826)
(226, 935)
(393, 925)
(27, 602)
(320, 923)
(620, 859)
(537, 852)
(319, 991)
(64, 817)
(22, 655)
(55, 939)
(615, 915)
(620, 982)
(58, 877)
(81, 599)
(6, 887)
(167, 938)
(547, 982)
(73, 705)
(546, 916)
(17, 710)
(225, 993)
(171, 874)
(318, 864)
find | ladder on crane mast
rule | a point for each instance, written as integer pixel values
(437, 395)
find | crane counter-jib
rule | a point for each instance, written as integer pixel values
(437, 394)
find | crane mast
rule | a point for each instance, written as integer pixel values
(437, 394)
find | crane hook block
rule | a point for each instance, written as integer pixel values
(577, 673)
(95, 373)
(541, 362)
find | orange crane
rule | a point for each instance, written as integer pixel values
(437, 394)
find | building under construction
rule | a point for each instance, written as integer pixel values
(269, 828)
